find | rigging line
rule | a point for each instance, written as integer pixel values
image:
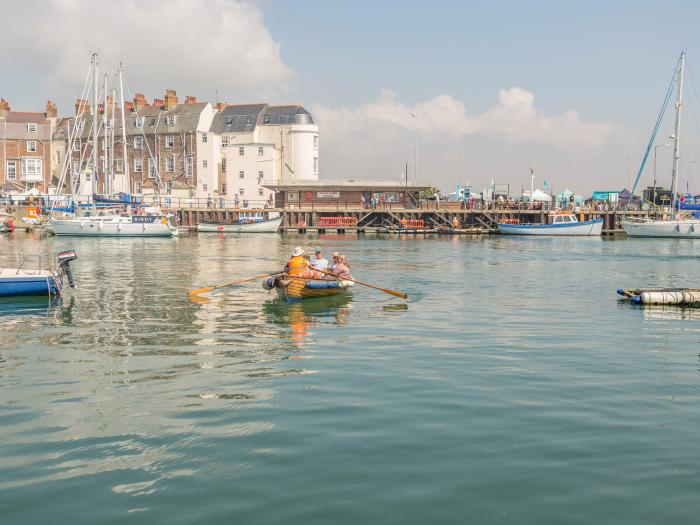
(695, 92)
(669, 94)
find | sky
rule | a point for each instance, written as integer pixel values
(570, 88)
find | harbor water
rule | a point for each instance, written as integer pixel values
(512, 387)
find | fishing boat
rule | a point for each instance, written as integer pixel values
(247, 223)
(676, 226)
(34, 275)
(562, 224)
(297, 288)
(107, 223)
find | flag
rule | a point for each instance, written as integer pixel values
(545, 185)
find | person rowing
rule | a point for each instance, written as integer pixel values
(298, 266)
(341, 268)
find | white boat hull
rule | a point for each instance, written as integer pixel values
(268, 226)
(110, 228)
(577, 229)
(679, 229)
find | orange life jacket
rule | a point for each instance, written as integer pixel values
(296, 265)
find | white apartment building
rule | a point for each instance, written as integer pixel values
(262, 143)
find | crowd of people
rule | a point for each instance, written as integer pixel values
(318, 267)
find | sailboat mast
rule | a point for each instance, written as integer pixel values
(105, 138)
(111, 139)
(677, 140)
(127, 186)
(94, 122)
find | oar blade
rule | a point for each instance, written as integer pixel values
(201, 290)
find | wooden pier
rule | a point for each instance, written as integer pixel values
(447, 219)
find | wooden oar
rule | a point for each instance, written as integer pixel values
(205, 289)
(385, 290)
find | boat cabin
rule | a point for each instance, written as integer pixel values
(563, 218)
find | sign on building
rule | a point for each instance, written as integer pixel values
(328, 194)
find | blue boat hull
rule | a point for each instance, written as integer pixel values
(30, 285)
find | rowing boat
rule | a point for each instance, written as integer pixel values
(293, 288)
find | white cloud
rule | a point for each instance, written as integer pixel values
(193, 46)
(515, 118)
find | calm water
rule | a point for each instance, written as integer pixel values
(512, 387)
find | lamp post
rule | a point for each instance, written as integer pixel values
(653, 198)
(405, 195)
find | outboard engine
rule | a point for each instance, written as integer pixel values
(64, 260)
(269, 283)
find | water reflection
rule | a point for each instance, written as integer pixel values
(301, 317)
(42, 306)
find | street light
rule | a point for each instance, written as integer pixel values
(653, 198)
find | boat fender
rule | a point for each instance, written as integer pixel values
(678, 227)
(164, 220)
(269, 283)
(692, 228)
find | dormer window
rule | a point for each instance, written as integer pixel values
(138, 122)
(32, 127)
(171, 120)
(224, 140)
(80, 125)
(152, 122)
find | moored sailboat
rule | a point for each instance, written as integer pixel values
(677, 226)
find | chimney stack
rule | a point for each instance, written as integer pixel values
(51, 110)
(85, 106)
(140, 101)
(221, 105)
(170, 98)
(190, 100)
(4, 107)
(100, 108)
(128, 106)
(158, 102)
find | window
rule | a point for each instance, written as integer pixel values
(170, 163)
(223, 189)
(171, 120)
(261, 150)
(138, 186)
(170, 141)
(76, 145)
(32, 127)
(241, 192)
(31, 145)
(315, 164)
(79, 125)
(120, 165)
(169, 187)
(31, 167)
(260, 192)
(204, 187)
(223, 165)
(315, 141)
(151, 168)
(260, 177)
(138, 142)
(58, 157)
(138, 165)
(87, 176)
(138, 122)
(108, 124)
(224, 140)
(204, 164)
(241, 174)
(11, 170)
(241, 151)
(204, 137)
(188, 166)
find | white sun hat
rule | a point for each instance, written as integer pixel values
(298, 251)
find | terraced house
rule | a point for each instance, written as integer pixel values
(169, 148)
(26, 148)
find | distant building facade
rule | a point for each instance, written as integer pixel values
(26, 152)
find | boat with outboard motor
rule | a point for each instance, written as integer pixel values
(293, 288)
(562, 224)
(35, 275)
